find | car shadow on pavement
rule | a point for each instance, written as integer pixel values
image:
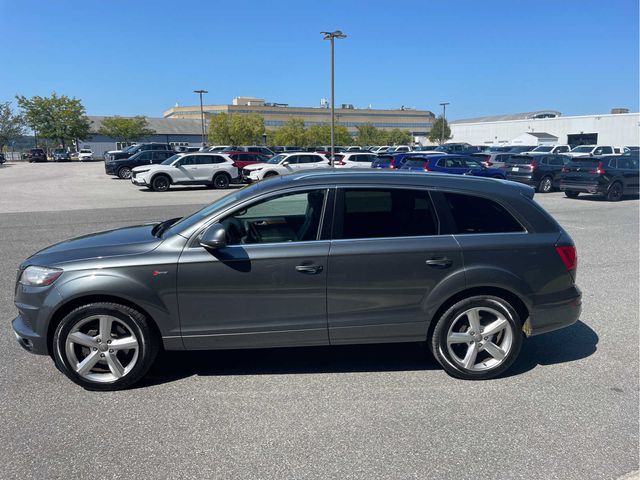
(599, 198)
(570, 344)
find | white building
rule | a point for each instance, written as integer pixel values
(621, 129)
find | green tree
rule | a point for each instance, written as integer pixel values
(369, 135)
(126, 129)
(12, 125)
(321, 135)
(398, 137)
(292, 133)
(225, 129)
(435, 135)
(58, 118)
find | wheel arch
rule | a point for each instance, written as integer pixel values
(164, 174)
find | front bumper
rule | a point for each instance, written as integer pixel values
(139, 180)
(109, 168)
(554, 315)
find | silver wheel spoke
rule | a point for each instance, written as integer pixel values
(459, 337)
(88, 363)
(83, 339)
(473, 316)
(114, 365)
(126, 343)
(470, 358)
(494, 350)
(495, 326)
(105, 328)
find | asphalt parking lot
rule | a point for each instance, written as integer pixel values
(568, 409)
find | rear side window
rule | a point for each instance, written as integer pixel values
(384, 213)
(473, 214)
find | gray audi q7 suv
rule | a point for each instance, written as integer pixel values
(469, 265)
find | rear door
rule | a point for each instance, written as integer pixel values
(628, 168)
(385, 260)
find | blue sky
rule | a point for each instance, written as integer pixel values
(131, 57)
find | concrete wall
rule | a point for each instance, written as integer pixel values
(617, 130)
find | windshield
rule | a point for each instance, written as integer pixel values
(542, 149)
(520, 160)
(85, 151)
(129, 148)
(171, 159)
(585, 148)
(276, 159)
(58, 150)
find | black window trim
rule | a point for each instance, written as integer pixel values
(338, 210)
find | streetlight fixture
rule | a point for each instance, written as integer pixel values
(444, 116)
(332, 36)
(200, 92)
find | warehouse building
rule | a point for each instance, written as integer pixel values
(550, 127)
(418, 122)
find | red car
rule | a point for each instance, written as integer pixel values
(242, 159)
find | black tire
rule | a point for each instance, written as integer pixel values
(571, 193)
(160, 183)
(220, 181)
(137, 323)
(124, 173)
(615, 192)
(545, 185)
(439, 345)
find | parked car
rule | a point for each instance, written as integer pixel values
(379, 149)
(256, 149)
(454, 164)
(551, 149)
(123, 167)
(217, 148)
(242, 159)
(398, 149)
(129, 151)
(85, 155)
(391, 161)
(35, 155)
(213, 170)
(60, 155)
(457, 148)
(540, 170)
(287, 149)
(103, 305)
(516, 149)
(353, 148)
(492, 159)
(609, 176)
(585, 150)
(283, 164)
(3, 159)
(354, 159)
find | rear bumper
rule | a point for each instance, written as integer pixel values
(585, 187)
(563, 312)
(527, 180)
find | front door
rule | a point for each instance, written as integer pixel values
(268, 286)
(386, 258)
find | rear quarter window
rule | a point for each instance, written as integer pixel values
(473, 215)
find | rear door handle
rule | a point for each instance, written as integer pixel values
(439, 262)
(310, 269)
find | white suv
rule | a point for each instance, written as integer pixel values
(282, 164)
(584, 150)
(354, 160)
(85, 154)
(214, 170)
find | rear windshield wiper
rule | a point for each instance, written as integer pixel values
(162, 226)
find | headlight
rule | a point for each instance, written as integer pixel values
(39, 276)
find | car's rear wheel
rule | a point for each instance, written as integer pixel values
(571, 194)
(104, 346)
(124, 173)
(160, 183)
(477, 338)
(545, 185)
(220, 181)
(615, 192)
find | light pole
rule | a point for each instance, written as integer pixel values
(332, 36)
(200, 92)
(444, 116)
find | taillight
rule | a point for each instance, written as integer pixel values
(569, 256)
(565, 170)
(534, 165)
(600, 170)
(426, 167)
(339, 162)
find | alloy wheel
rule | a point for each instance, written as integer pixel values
(102, 348)
(479, 339)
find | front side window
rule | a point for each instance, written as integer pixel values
(291, 217)
(384, 213)
(473, 214)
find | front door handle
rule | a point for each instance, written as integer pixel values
(310, 269)
(439, 262)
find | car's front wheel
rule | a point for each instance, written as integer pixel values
(124, 173)
(477, 338)
(160, 183)
(104, 346)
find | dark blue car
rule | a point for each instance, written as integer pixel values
(455, 164)
(396, 160)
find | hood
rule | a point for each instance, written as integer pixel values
(144, 168)
(122, 241)
(255, 166)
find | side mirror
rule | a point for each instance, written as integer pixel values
(214, 237)
(285, 163)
